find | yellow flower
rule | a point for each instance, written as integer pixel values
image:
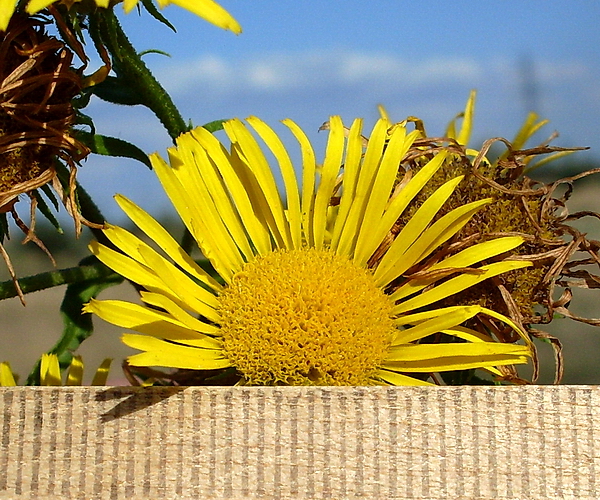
(301, 299)
(206, 9)
(50, 372)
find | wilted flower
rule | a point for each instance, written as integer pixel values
(37, 85)
(520, 207)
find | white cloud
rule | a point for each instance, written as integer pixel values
(310, 70)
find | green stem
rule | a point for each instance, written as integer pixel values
(56, 278)
(129, 66)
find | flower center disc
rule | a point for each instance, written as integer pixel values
(305, 317)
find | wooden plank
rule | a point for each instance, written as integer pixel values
(391, 443)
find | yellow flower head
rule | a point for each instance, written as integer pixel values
(209, 10)
(309, 290)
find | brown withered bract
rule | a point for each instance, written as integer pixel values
(37, 85)
(520, 207)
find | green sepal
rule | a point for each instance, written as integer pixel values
(51, 196)
(153, 51)
(77, 326)
(3, 227)
(115, 90)
(46, 212)
(214, 126)
(82, 100)
(111, 146)
(85, 120)
(155, 13)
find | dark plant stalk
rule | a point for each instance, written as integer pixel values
(59, 277)
(129, 66)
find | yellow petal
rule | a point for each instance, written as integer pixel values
(288, 175)
(416, 318)
(161, 353)
(383, 114)
(435, 325)
(267, 197)
(510, 323)
(529, 128)
(125, 266)
(407, 193)
(205, 187)
(467, 124)
(198, 214)
(178, 313)
(201, 301)
(465, 258)
(331, 168)
(362, 188)
(101, 374)
(164, 240)
(170, 279)
(7, 379)
(36, 5)
(308, 180)
(468, 334)
(460, 356)
(457, 284)
(378, 199)
(149, 322)
(7, 8)
(354, 150)
(50, 370)
(209, 10)
(399, 379)
(223, 167)
(177, 284)
(75, 372)
(128, 5)
(395, 261)
(438, 233)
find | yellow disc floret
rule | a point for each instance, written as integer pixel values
(305, 317)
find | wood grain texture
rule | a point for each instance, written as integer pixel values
(285, 443)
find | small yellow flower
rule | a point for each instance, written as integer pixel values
(206, 9)
(301, 301)
(50, 372)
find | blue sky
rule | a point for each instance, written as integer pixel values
(310, 59)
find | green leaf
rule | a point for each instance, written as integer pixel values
(111, 146)
(153, 51)
(85, 120)
(82, 100)
(155, 13)
(214, 126)
(45, 210)
(77, 326)
(117, 91)
(3, 227)
(51, 196)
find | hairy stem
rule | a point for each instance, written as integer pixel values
(129, 66)
(56, 278)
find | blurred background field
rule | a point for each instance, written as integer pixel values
(308, 60)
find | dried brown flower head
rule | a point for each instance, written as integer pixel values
(37, 85)
(521, 206)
